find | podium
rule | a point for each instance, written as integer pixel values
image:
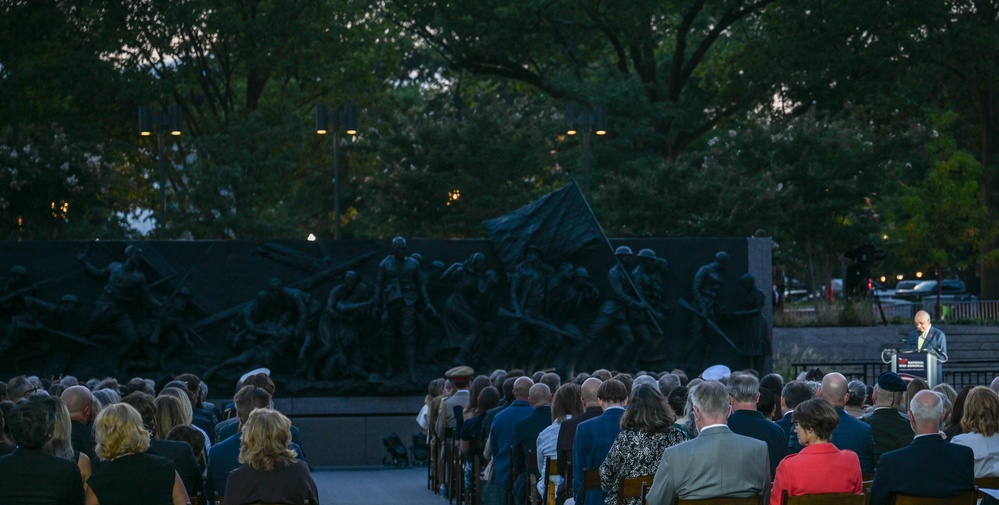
(925, 365)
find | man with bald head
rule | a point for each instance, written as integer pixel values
(502, 435)
(851, 433)
(929, 466)
(926, 336)
(525, 436)
(82, 412)
(567, 431)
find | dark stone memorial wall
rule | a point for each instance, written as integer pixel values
(220, 309)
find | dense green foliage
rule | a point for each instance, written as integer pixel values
(816, 121)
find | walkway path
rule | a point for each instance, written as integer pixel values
(375, 485)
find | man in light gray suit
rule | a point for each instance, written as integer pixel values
(718, 463)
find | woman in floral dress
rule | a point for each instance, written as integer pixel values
(646, 431)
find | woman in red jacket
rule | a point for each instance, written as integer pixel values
(820, 467)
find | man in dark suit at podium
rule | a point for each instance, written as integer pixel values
(926, 337)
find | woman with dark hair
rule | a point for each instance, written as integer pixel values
(567, 402)
(953, 428)
(646, 432)
(30, 475)
(981, 430)
(820, 467)
(470, 438)
(478, 384)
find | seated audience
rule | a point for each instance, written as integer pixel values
(981, 430)
(745, 419)
(224, 456)
(953, 424)
(187, 409)
(470, 440)
(595, 437)
(820, 467)
(61, 444)
(566, 404)
(271, 473)
(718, 463)
(851, 433)
(646, 432)
(179, 453)
(192, 437)
(901, 471)
(29, 474)
(82, 411)
(127, 474)
(888, 426)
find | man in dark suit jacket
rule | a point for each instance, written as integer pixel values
(525, 436)
(745, 420)
(887, 423)
(925, 336)
(29, 474)
(851, 433)
(794, 392)
(946, 469)
(567, 431)
(595, 437)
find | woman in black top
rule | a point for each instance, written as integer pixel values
(126, 474)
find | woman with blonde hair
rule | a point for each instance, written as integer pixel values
(188, 412)
(271, 472)
(61, 445)
(169, 414)
(127, 474)
(981, 430)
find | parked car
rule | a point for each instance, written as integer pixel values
(902, 286)
(929, 288)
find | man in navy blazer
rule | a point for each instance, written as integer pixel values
(851, 433)
(929, 466)
(525, 436)
(224, 456)
(745, 420)
(794, 392)
(501, 437)
(926, 337)
(595, 437)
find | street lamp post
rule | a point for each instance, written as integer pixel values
(167, 120)
(335, 121)
(587, 122)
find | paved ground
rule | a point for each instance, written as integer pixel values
(375, 485)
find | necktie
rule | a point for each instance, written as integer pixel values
(922, 339)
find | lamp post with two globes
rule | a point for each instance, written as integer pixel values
(336, 121)
(587, 123)
(167, 120)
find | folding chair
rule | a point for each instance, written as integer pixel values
(633, 487)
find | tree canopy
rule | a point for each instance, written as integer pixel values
(813, 120)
